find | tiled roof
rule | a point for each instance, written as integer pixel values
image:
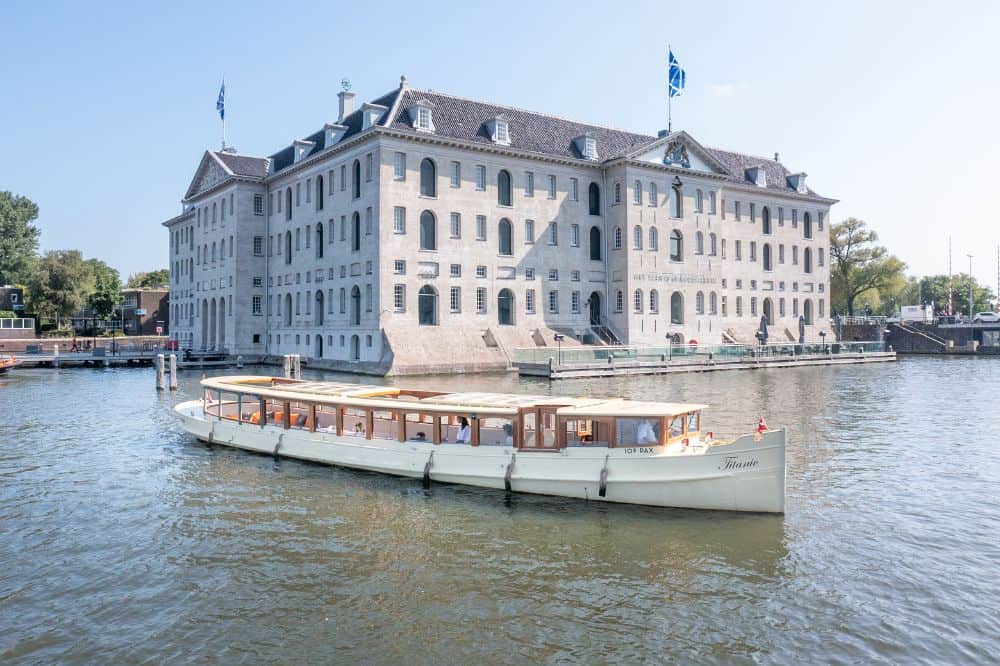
(244, 165)
(464, 119)
(738, 163)
(354, 122)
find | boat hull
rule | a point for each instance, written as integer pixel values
(747, 474)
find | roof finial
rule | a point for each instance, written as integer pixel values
(402, 81)
(776, 157)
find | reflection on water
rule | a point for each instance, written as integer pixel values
(124, 540)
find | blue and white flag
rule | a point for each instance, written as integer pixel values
(220, 104)
(677, 77)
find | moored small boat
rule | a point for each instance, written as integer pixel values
(7, 361)
(635, 452)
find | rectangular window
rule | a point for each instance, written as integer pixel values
(574, 235)
(795, 218)
(258, 246)
(574, 189)
(329, 188)
(753, 212)
(456, 299)
(456, 174)
(368, 220)
(753, 251)
(480, 227)
(553, 275)
(368, 166)
(456, 225)
(781, 254)
(781, 217)
(256, 304)
(456, 270)
(552, 187)
(399, 267)
(298, 194)
(553, 302)
(399, 167)
(529, 232)
(753, 306)
(819, 221)
(368, 298)
(711, 203)
(308, 235)
(723, 248)
(480, 177)
(574, 276)
(574, 302)
(399, 298)
(309, 190)
(258, 282)
(529, 273)
(258, 204)
(529, 301)
(819, 256)
(399, 220)
(795, 255)
(270, 204)
(736, 210)
(481, 300)
(529, 184)
(343, 181)
(480, 271)
(553, 234)
(739, 250)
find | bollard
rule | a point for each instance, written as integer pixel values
(160, 382)
(173, 372)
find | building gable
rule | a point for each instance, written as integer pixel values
(680, 151)
(210, 173)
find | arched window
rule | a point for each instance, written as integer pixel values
(318, 313)
(699, 201)
(699, 243)
(713, 303)
(618, 193)
(505, 307)
(699, 303)
(355, 348)
(807, 225)
(807, 260)
(677, 200)
(319, 192)
(768, 266)
(652, 194)
(503, 188)
(637, 301)
(807, 311)
(222, 250)
(654, 301)
(504, 233)
(356, 305)
(288, 247)
(428, 178)
(288, 203)
(765, 220)
(637, 238)
(319, 240)
(594, 198)
(654, 239)
(428, 231)
(712, 245)
(619, 301)
(676, 246)
(637, 193)
(427, 306)
(676, 308)
(288, 309)
(618, 238)
(595, 244)
(769, 311)
(356, 173)
(356, 231)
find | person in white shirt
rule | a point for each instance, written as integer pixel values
(464, 432)
(645, 434)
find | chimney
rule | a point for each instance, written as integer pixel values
(346, 104)
(776, 158)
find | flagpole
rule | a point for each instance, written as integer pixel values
(223, 117)
(670, 118)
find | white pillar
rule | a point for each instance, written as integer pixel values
(173, 372)
(160, 382)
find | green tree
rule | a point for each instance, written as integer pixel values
(18, 237)
(60, 283)
(157, 278)
(858, 264)
(934, 289)
(107, 288)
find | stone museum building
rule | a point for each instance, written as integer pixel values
(427, 232)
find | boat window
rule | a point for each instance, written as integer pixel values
(588, 432)
(637, 431)
(385, 425)
(419, 428)
(355, 421)
(227, 408)
(211, 403)
(298, 415)
(496, 431)
(676, 426)
(694, 422)
(457, 429)
(326, 418)
(528, 432)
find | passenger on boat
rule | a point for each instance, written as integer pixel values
(420, 437)
(677, 426)
(508, 430)
(644, 433)
(358, 430)
(464, 432)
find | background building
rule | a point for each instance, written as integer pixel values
(427, 232)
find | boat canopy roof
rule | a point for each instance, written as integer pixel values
(391, 397)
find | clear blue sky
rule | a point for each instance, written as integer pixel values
(891, 107)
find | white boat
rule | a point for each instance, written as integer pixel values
(609, 450)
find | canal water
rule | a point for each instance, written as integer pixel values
(123, 540)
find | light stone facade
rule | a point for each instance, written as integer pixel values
(370, 286)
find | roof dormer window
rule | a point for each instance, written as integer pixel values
(797, 181)
(499, 130)
(756, 175)
(334, 133)
(370, 113)
(301, 150)
(421, 115)
(587, 145)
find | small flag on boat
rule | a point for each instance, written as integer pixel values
(677, 76)
(220, 104)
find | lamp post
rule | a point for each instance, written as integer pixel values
(970, 296)
(822, 339)
(559, 338)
